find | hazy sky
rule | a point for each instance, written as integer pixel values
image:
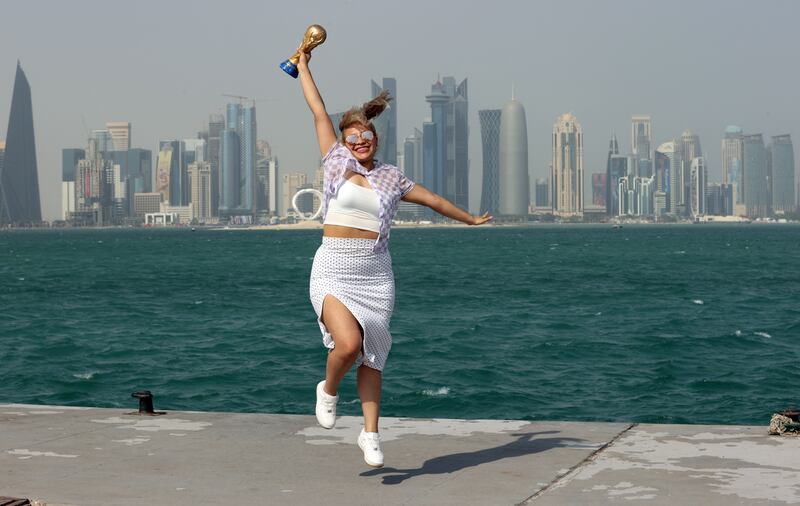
(163, 65)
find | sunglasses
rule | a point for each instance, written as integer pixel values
(366, 135)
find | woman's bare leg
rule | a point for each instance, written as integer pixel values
(346, 334)
(369, 391)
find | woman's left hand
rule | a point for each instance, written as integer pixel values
(480, 220)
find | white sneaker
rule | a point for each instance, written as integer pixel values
(370, 443)
(326, 406)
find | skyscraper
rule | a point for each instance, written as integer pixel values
(732, 159)
(783, 181)
(292, 182)
(599, 189)
(238, 161)
(688, 149)
(120, 132)
(641, 137)
(412, 156)
(102, 140)
(200, 177)
(490, 141)
(446, 159)
(434, 140)
(514, 185)
(263, 155)
(69, 162)
(666, 176)
(170, 180)
(273, 186)
(93, 188)
(616, 167)
(19, 179)
(756, 176)
(567, 169)
(386, 123)
(699, 183)
(731, 154)
(542, 193)
(216, 124)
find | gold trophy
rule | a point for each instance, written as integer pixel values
(314, 36)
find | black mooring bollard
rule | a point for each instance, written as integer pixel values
(145, 402)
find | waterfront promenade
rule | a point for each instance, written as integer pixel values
(87, 456)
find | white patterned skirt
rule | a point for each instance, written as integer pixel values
(363, 281)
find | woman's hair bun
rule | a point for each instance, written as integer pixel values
(363, 115)
(377, 105)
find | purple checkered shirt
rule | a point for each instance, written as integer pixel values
(388, 182)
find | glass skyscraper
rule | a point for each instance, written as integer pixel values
(756, 177)
(490, 139)
(667, 175)
(69, 162)
(447, 157)
(732, 157)
(783, 185)
(567, 169)
(19, 180)
(386, 123)
(699, 183)
(613, 173)
(216, 124)
(688, 149)
(238, 161)
(514, 183)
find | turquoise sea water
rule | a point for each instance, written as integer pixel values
(683, 324)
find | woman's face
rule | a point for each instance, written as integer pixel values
(363, 149)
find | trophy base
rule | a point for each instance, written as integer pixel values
(290, 68)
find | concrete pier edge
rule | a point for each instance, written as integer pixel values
(67, 456)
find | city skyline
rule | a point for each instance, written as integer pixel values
(164, 101)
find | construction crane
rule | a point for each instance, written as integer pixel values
(254, 100)
(240, 97)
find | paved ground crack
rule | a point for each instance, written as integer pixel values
(574, 469)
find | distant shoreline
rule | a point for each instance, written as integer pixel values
(315, 225)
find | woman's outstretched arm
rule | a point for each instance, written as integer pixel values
(325, 133)
(421, 195)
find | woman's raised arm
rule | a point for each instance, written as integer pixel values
(325, 132)
(421, 195)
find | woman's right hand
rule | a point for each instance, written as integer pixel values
(304, 58)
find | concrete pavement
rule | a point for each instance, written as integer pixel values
(87, 456)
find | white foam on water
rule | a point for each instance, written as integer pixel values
(762, 334)
(439, 392)
(738, 333)
(85, 375)
(699, 302)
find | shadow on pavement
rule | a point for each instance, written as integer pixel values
(525, 444)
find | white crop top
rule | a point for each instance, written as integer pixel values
(354, 206)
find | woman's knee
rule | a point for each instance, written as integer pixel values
(348, 346)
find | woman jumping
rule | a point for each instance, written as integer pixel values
(352, 283)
